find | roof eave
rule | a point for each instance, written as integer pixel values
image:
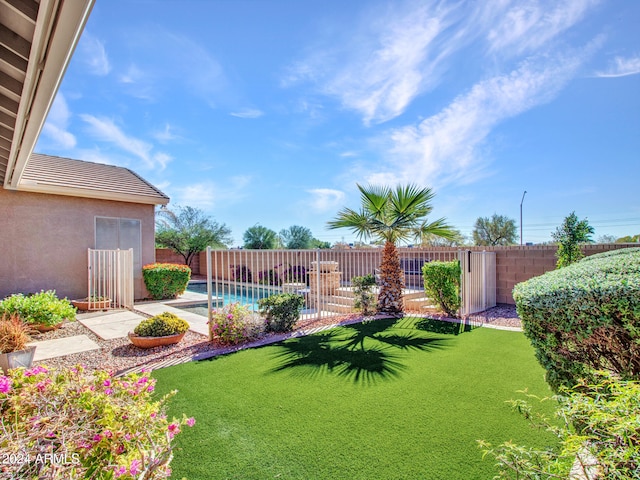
(92, 194)
(58, 30)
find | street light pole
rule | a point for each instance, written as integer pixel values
(525, 192)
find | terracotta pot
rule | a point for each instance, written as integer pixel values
(85, 305)
(42, 328)
(150, 342)
(21, 358)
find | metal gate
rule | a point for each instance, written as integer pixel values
(110, 279)
(478, 281)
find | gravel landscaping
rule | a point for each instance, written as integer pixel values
(120, 355)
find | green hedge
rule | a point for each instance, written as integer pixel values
(442, 285)
(585, 317)
(281, 311)
(166, 280)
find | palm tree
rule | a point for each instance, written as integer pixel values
(392, 215)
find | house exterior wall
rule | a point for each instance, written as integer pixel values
(44, 241)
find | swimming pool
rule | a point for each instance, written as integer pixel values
(224, 294)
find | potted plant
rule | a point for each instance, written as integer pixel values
(163, 329)
(14, 336)
(42, 311)
(92, 303)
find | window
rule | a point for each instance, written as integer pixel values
(123, 233)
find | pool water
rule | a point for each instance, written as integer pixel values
(228, 294)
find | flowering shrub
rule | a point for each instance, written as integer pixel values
(241, 273)
(68, 424)
(269, 277)
(234, 323)
(281, 311)
(43, 308)
(296, 274)
(166, 280)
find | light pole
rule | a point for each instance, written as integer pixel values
(525, 192)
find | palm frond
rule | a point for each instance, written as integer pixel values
(358, 222)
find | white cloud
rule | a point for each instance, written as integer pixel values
(94, 55)
(166, 135)
(106, 130)
(621, 67)
(56, 127)
(525, 26)
(208, 194)
(384, 65)
(248, 113)
(325, 199)
(449, 146)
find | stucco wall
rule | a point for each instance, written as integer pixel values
(44, 241)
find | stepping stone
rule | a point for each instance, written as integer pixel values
(63, 346)
(112, 325)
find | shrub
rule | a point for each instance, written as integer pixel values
(599, 419)
(14, 333)
(365, 299)
(241, 273)
(84, 425)
(442, 285)
(585, 316)
(166, 280)
(162, 325)
(269, 277)
(43, 308)
(296, 274)
(281, 311)
(234, 323)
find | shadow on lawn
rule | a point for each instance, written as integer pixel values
(443, 327)
(361, 352)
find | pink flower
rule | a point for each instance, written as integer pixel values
(108, 434)
(127, 437)
(191, 421)
(107, 383)
(120, 449)
(134, 468)
(118, 472)
(97, 437)
(142, 381)
(108, 391)
(153, 415)
(5, 384)
(150, 388)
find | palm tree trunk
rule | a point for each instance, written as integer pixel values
(391, 282)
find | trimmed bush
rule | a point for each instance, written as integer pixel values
(585, 317)
(281, 311)
(234, 324)
(162, 325)
(60, 424)
(442, 285)
(43, 308)
(166, 280)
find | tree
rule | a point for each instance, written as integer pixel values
(315, 243)
(296, 237)
(497, 230)
(606, 239)
(569, 236)
(391, 215)
(629, 239)
(260, 238)
(188, 231)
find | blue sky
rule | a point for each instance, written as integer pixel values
(270, 111)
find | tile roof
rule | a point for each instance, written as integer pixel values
(65, 176)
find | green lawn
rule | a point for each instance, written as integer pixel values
(389, 399)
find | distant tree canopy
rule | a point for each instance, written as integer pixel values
(188, 231)
(260, 238)
(606, 239)
(296, 237)
(497, 230)
(629, 239)
(569, 236)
